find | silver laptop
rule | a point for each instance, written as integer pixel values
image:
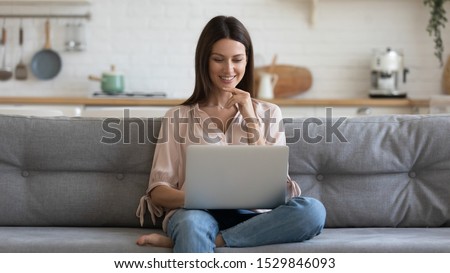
(235, 176)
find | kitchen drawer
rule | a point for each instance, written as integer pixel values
(123, 111)
(362, 111)
(41, 110)
(297, 111)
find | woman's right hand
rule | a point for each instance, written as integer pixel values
(167, 197)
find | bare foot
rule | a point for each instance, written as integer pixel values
(219, 241)
(155, 239)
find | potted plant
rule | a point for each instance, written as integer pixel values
(437, 21)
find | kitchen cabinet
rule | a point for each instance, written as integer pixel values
(353, 107)
(121, 112)
(41, 110)
(340, 111)
(364, 111)
(298, 111)
(110, 106)
(440, 104)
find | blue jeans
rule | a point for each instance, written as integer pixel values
(300, 219)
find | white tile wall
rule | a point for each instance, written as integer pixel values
(153, 41)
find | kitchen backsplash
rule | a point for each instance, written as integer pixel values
(153, 42)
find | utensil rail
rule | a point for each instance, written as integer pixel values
(86, 16)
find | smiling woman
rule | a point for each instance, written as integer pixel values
(222, 108)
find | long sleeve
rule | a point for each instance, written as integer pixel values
(165, 168)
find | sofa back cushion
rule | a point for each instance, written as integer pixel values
(369, 172)
(74, 171)
(387, 171)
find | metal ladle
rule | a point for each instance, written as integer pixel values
(5, 72)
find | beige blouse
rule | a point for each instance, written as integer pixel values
(189, 125)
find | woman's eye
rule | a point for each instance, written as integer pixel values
(217, 60)
(238, 60)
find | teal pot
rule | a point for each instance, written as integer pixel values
(111, 82)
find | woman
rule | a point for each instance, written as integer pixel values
(222, 109)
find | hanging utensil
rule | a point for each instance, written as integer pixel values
(21, 69)
(70, 41)
(5, 72)
(80, 36)
(46, 63)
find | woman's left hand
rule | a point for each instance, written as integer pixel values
(243, 100)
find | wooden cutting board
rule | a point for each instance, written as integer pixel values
(292, 80)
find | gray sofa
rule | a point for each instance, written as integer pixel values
(73, 184)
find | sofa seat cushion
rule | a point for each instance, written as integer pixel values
(370, 240)
(122, 240)
(74, 240)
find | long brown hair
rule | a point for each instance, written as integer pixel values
(219, 27)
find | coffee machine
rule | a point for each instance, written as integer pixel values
(388, 74)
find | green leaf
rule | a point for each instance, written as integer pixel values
(436, 22)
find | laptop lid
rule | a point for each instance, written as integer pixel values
(235, 176)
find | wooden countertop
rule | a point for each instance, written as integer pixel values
(357, 102)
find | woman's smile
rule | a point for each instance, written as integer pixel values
(227, 79)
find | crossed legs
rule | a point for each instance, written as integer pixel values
(300, 219)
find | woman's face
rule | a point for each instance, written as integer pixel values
(227, 63)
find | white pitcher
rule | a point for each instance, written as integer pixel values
(267, 84)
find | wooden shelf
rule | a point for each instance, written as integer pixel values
(352, 102)
(90, 101)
